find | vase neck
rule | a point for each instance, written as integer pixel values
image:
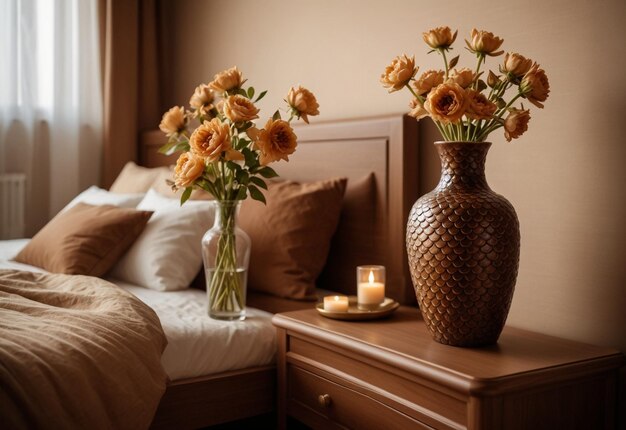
(226, 214)
(463, 164)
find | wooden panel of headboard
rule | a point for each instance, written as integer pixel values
(379, 156)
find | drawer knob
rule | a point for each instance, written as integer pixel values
(324, 400)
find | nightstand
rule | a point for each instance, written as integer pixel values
(390, 374)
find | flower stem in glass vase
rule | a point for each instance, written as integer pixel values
(226, 250)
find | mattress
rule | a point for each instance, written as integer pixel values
(197, 345)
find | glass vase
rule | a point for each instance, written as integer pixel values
(226, 253)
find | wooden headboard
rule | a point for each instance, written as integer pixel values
(379, 156)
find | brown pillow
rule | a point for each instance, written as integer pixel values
(291, 235)
(136, 179)
(84, 240)
(355, 242)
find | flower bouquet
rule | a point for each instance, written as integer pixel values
(464, 105)
(225, 154)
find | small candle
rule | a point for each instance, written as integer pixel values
(370, 286)
(336, 303)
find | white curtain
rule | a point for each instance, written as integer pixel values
(50, 100)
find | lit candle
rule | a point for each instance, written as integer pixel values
(370, 292)
(336, 303)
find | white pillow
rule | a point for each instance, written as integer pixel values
(167, 256)
(97, 196)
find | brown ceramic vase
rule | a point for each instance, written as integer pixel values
(463, 245)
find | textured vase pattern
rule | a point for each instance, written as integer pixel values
(463, 246)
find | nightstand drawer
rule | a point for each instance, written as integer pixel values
(391, 374)
(321, 403)
(409, 394)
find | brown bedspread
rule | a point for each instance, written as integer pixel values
(76, 352)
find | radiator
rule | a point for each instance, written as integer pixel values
(12, 205)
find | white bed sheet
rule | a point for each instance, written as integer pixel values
(197, 345)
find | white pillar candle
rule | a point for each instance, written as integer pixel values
(336, 303)
(370, 287)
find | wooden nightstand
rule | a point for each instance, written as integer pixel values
(390, 374)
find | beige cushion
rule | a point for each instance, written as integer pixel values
(85, 239)
(291, 235)
(136, 179)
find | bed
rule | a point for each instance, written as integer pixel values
(379, 157)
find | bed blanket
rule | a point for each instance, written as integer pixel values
(76, 352)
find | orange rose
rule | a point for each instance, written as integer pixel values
(188, 168)
(220, 106)
(516, 65)
(535, 86)
(485, 43)
(174, 121)
(202, 97)
(210, 140)
(239, 108)
(227, 80)
(398, 73)
(303, 102)
(276, 141)
(516, 123)
(417, 109)
(447, 103)
(429, 80)
(464, 77)
(479, 107)
(439, 38)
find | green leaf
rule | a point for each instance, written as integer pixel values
(233, 166)
(241, 194)
(185, 196)
(276, 115)
(242, 177)
(167, 149)
(182, 146)
(242, 92)
(258, 181)
(250, 92)
(246, 125)
(256, 194)
(481, 85)
(250, 157)
(261, 96)
(267, 172)
(240, 145)
(206, 186)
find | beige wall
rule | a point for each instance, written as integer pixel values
(566, 176)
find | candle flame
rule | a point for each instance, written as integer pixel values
(371, 277)
(336, 298)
